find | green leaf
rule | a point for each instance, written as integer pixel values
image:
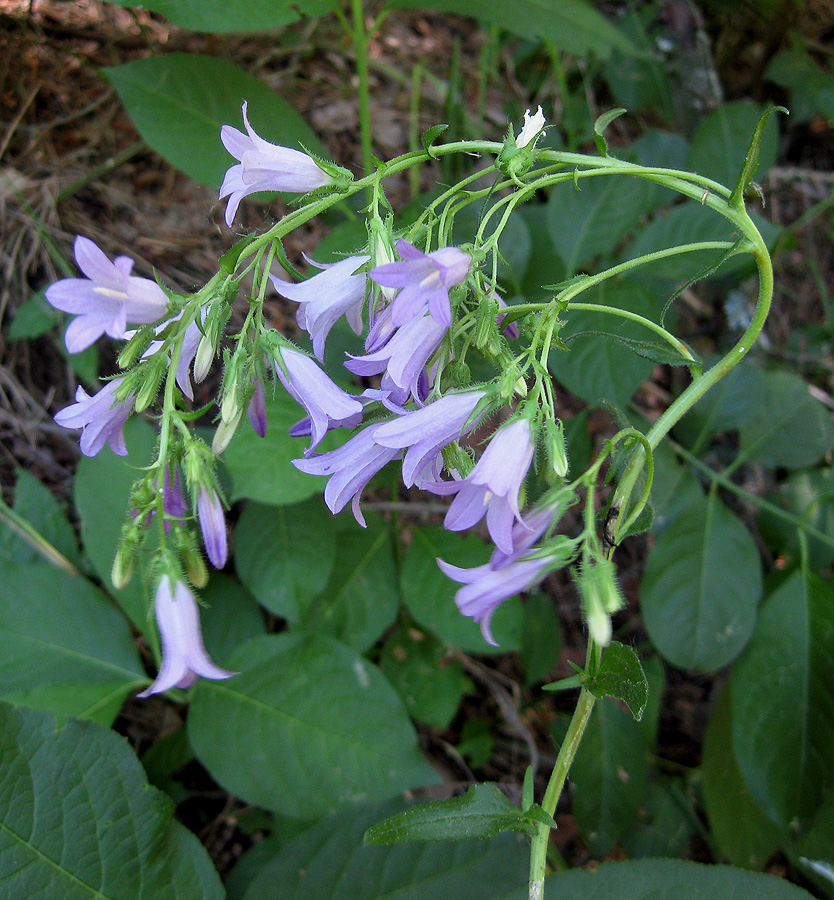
(79, 821)
(36, 504)
(597, 369)
(602, 122)
(179, 102)
(542, 638)
(66, 649)
(430, 595)
(783, 701)
(791, 428)
(307, 726)
(33, 318)
(743, 833)
(590, 219)
(285, 554)
(721, 142)
(701, 588)
(230, 616)
(227, 16)
(667, 879)
(665, 826)
(427, 677)
(608, 777)
(482, 812)
(102, 492)
(261, 467)
(330, 862)
(430, 136)
(620, 675)
(751, 160)
(656, 678)
(572, 25)
(812, 90)
(361, 598)
(675, 489)
(813, 853)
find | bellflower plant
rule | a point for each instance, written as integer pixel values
(424, 279)
(323, 299)
(264, 167)
(213, 525)
(493, 486)
(184, 657)
(102, 418)
(106, 299)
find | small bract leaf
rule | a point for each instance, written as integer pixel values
(430, 136)
(620, 675)
(482, 812)
(601, 124)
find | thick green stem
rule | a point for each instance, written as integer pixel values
(567, 752)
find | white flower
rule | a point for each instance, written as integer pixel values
(531, 129)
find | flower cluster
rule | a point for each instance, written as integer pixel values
(416, 414)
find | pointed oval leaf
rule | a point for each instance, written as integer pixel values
(79, 821)
(701, 588)
(620, 675)
(179, 102)
(308, 725)
(783, 701)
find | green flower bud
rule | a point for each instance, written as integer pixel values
(556, 447)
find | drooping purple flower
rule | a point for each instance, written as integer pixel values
(106, 299)
(425, 432)
(492, 487)
(327, 405)
(264, 167)
(511, 330)
(424, 279)
(213, 525)
(324, 298)
(403, 358)
(190, 341)
(184, 657)
(486, 587)
(173, 501)
(101, 417)
(350, 468)
(257, 410)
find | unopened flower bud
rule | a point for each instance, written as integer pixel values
(135, 347)
(153, 371)
(191, 559)
(224, 434)
(230, 408)
(203, 358)
(556, 447)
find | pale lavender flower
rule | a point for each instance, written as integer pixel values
(403, 358)
(257, 410)
(487, 587)
(190, 341)
(425, 432)
(424, 279)
(173, 501)
(492, 487)
(101, 417)
(184, 656)
(327, 405)
(213, 526)
(325, 297)
(107, 299)
(511, 330)
(264, 167)
(351, 467)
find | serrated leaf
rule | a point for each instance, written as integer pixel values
(179, 102)
(659, 352)
(227, 16)
(667, 879)
(285, 554)
(271, 734)
(782, 692)
(608, 776)
(430, 595)
(572, 25)
(330, 862)
(620, 675)
(602, 122)
(79, 821)
(430, 136)
(482, 812)
(743, 833)
(791, 428)
(66, 649)
(701, 588)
